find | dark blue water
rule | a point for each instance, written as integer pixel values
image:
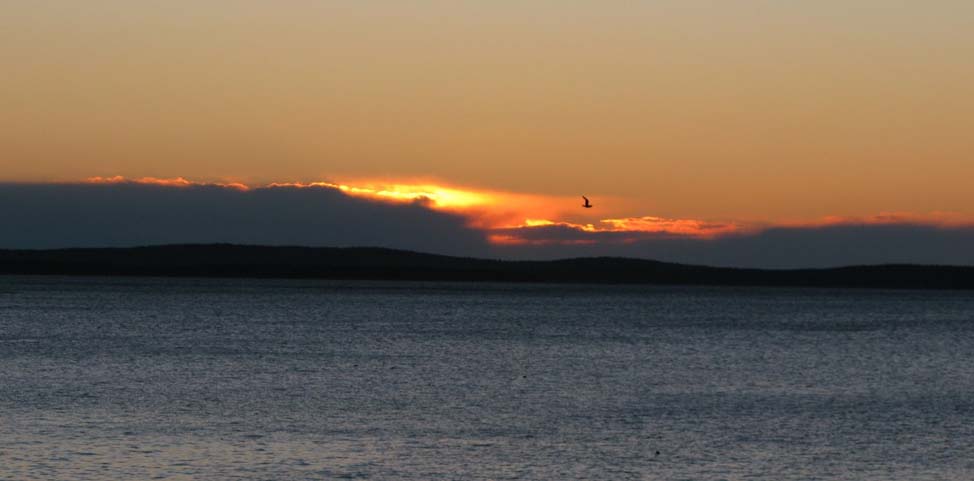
(222, 379)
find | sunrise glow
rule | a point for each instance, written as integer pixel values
(513, 219)
(489, 210)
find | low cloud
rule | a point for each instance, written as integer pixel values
(777, 247)
(120, 213)
(115, 212)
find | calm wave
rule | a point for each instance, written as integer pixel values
(107, 379)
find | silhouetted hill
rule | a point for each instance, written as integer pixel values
(223, 260)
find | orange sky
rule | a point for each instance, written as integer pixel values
(735, 113)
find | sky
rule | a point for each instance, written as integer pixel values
(701, 122)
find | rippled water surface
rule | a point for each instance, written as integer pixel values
(109, 379)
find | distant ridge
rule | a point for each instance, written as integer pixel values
(226, 260)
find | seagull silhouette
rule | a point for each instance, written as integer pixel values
(586, 205)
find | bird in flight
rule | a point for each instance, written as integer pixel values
(586, 205)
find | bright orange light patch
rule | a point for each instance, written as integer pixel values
(484, 209)
(438, 197)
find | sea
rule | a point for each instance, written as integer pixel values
(118, 378)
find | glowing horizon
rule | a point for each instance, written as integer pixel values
(506, 216)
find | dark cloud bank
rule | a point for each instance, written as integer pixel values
(41, 216)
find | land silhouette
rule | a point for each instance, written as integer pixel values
(227, 260)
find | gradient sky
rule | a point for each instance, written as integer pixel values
(730, 111)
